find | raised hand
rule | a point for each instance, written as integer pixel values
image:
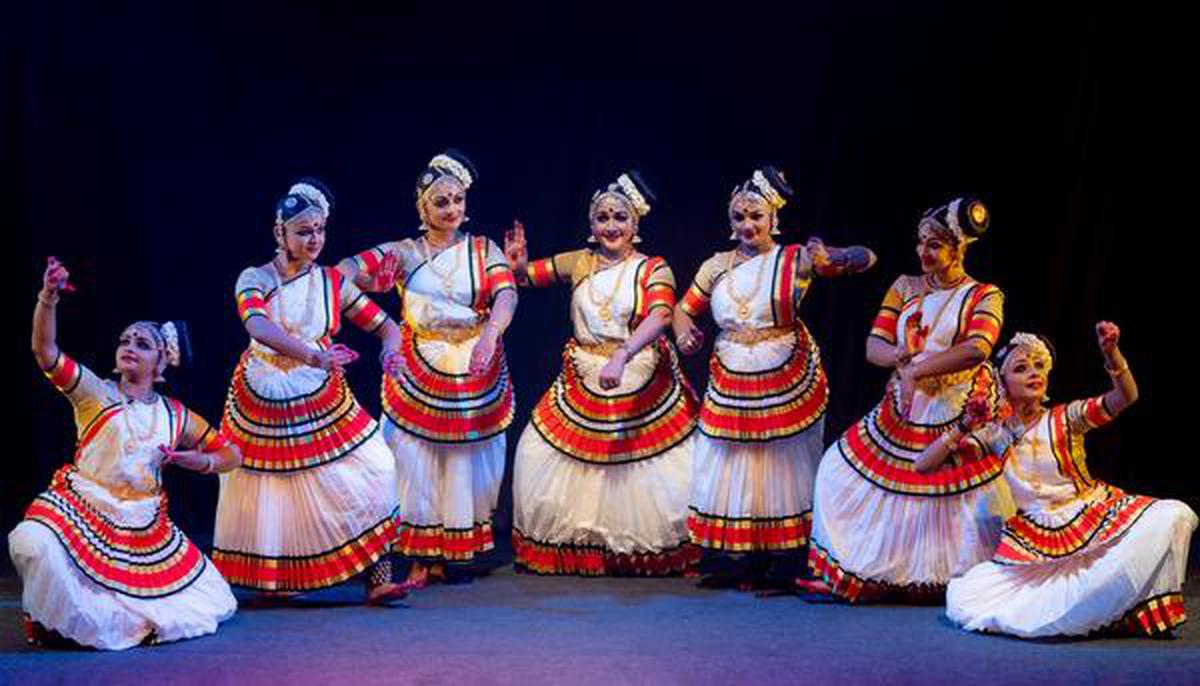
(384, 277)
(56, 277)
(817, 252)
(515, 248)
(1107, 335)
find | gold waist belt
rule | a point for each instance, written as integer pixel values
(281, 362)
(455, 334)
(934, 385)
(752, 336)
(605, 349)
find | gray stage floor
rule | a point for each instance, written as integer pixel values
(509, 628)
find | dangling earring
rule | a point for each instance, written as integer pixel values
(466, 218)
(775, 226)
(636, 239)
(733, 235)
(592, 238)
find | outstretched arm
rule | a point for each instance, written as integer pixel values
(1124, 391)
(45, 319)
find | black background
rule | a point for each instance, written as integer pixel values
(148, 144)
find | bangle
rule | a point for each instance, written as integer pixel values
(50, 301)
(209, 463)
(951, 441)
(1114, 373)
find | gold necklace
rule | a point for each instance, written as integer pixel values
(743, 303)
(605, 305)
(446, 277)
(310, 302)
(132, 437)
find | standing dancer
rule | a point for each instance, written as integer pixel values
(602, 471)
(763, 416)
(313, 503)
(880, 527)
(446, 412)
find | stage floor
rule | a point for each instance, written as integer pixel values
(511, 628)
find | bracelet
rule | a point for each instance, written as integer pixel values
(48, 302)
(1114, 373)
(951, 442)
(209, 464)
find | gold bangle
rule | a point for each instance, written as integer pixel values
(1114, 373)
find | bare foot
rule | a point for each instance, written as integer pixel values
(383, 594)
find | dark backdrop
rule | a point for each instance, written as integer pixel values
(147, 145)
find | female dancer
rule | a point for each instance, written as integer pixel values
(602, 472)
(313, 503)
(1080, 556)
(763, 416)
(880, 527)
(101, 562)
(446, 412)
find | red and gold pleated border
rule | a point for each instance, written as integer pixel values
(448, 408)
(1152, 618)
(612, 429)
(148, 562)
(883, 446)
(749, 534)
(290, 434)
(769, 404)
(1025, 542)
(307, 572)
(437, 542)
(854, 589)
(578, 560)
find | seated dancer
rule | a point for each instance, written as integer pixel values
(1080, 556)
(313, 503)
(880, 527)
(445, 413)
(763, 416)
(602, 472)
(101, 562)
